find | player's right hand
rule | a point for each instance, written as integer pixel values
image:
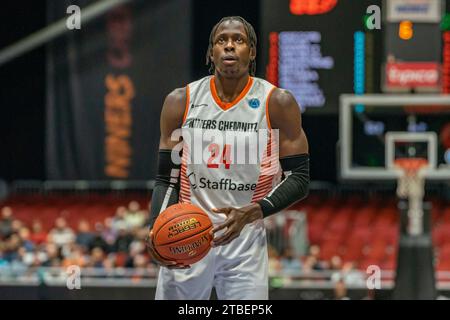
(160, 260)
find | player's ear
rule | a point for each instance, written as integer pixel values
(252, 53)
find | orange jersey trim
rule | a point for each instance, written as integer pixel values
(186, 107)
(228, 105)
(267, 107)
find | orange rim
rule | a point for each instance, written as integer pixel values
(411, 164)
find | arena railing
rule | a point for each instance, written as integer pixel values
(35, 186)
(319, 279)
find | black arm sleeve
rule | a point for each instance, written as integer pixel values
(167, 186)
(294, 187)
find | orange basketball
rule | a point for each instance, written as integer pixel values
(181, 233)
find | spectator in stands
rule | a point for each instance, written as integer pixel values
(39, 254)
(38, 235)
(3, 262)
(76, 256)
(97, 257)
(119, 219)
(141, 234)
(135, 248)
(84, 235)
(335, 267)
(274, 260)
(61, 234)
(99, 241)
(108, 266)
(290, 264)
(123, 240)
(24, 234)
(311, 264)
(26, 256)
(108, 232)
(370, 295)
(18, 265)
(336, 263)
(62, 247)
(135, 217)
(12, 245)
(140, 261)
(348, 275)
(53, 255)
(340, 291)
(351, 276)
(16, 225)
(6, 222)
(314, 251)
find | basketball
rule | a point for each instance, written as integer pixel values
(181, 233)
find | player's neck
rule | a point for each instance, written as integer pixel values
(228, 89)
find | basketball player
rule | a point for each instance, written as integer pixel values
(236, 197)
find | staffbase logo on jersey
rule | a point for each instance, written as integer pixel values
(224, 184)
(254, 103)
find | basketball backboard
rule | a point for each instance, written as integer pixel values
(373, 128)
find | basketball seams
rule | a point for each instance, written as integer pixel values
(177, 215)
(181, 216)
(178, 212)
(168, 243)
(202, 254)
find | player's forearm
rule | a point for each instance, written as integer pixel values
(293, 188)
(167, 186)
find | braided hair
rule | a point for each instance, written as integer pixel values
(251, 35)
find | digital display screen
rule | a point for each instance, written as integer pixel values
(308, 49)
(300, 60)
(414, 49)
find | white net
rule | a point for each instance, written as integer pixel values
(411, 185)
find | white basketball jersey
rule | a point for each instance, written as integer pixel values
(230, 153)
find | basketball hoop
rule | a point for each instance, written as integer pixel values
(411, 185)
(411, 165)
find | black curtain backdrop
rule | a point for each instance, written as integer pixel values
(22, 95)
(106, 84)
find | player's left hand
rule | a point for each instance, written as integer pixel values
(237, 218)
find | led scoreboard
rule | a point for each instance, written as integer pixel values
(308, 48)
